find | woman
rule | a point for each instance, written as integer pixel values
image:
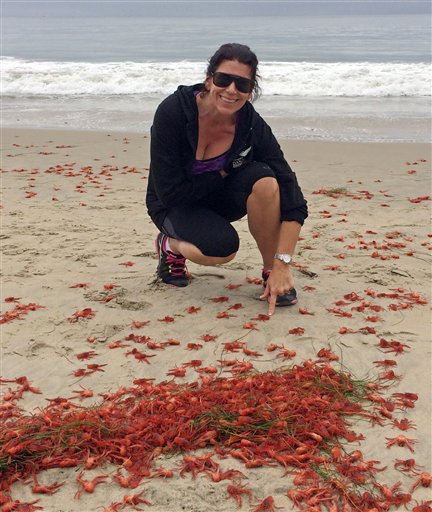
(213, 161)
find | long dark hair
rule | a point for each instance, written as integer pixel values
(241, 53)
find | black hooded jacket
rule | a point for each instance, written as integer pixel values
(174, 139)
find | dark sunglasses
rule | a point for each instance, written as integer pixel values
(225, 79)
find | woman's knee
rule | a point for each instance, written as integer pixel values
(266, 188)
(202, 232)
(259, 178)
(221, 245)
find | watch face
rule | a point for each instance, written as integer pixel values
(286, 258)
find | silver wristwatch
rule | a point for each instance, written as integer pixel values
(285, 258)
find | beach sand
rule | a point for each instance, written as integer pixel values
(74, 220)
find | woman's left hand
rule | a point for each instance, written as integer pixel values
(279, 282)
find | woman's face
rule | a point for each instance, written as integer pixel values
(228, 100)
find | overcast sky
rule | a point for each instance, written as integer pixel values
(238, 8)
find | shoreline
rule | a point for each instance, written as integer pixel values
(338, 119)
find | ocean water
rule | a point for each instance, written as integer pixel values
(323, 77)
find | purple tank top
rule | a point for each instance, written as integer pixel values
(210, 165)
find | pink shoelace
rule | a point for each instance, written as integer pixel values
(176, 263)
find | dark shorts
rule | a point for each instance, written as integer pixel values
(208, 225)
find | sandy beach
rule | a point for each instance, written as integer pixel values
(77, 241)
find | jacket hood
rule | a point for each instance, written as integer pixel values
(186, 96)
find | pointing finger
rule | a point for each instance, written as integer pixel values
(272, 304)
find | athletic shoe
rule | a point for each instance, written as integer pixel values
(172, 267)
(289, 298)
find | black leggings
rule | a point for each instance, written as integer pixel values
(208, 225)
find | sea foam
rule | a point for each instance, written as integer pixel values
(44, 78)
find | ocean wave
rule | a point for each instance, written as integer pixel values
(349, 79)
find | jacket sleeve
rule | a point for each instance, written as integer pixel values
(169, 150)
(268, 150)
